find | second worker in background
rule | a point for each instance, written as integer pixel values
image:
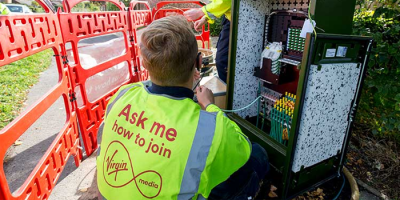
(208, 13)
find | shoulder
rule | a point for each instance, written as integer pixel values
(125, 89)
(131, 86)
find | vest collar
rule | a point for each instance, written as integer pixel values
(174, 91)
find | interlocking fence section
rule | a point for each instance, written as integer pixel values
(167, 8)
(22, 36)
(95, 53)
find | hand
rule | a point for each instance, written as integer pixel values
(199, 23)
(196, 75)
(204, 96)
(193, 14)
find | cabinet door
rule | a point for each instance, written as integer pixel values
(332, 74)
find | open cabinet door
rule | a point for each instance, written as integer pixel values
(331, 77)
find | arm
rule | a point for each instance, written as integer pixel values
(211, 11)
(206, 101)
(216, 9)
(230, 148)
(229, 151)
(234, 127)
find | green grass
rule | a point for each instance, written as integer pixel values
(15, 81)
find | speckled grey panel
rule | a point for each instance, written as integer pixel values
(324, 120)
(248, 54)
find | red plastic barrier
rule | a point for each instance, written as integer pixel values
(138, 19)
(159, 11)
(22, 36)
(141, 18)
(164, 9)
(90, 74)
(85, 74)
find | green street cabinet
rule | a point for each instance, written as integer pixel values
(307, 89)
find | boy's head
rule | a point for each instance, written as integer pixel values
(169, 49)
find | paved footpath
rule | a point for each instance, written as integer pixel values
(80, 184)
(23, 158)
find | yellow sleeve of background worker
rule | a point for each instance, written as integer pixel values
(4, 9)
(216, 9)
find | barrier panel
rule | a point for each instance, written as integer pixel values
(138, 19)
(99, 49)
(22, 36)
(141, 18)
(95, 53)
(165, 9)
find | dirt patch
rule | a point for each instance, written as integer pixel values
(375, 161)
(337, 188)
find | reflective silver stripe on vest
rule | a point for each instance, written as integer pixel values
(110, 105)
(198, 155)
(212, 16)
(119, 96)
(201, 198)
(99, 136)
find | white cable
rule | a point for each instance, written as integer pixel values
(240, 109)
(311, 20)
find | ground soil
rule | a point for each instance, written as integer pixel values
(328, 190)
(371, 159)
(375, 161)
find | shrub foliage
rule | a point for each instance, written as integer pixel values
(379, 109)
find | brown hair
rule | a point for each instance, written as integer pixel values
(169, 49)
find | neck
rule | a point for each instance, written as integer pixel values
(188, 84)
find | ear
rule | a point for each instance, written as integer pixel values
(199, 61)
(141, 63)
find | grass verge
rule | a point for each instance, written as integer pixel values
(15, 81)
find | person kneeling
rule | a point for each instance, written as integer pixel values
(158, 143)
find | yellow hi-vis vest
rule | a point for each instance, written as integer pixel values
(161, 147)
(216, 9)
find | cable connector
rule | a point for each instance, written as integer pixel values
(63, 57)
(72, 97)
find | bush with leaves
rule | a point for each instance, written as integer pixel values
(379, 109)
(216, 28)
(88, 6)
(36, 7)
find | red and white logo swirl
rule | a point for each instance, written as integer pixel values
(118, 172)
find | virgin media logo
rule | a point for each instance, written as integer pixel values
(114, 168)
(118, 172)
